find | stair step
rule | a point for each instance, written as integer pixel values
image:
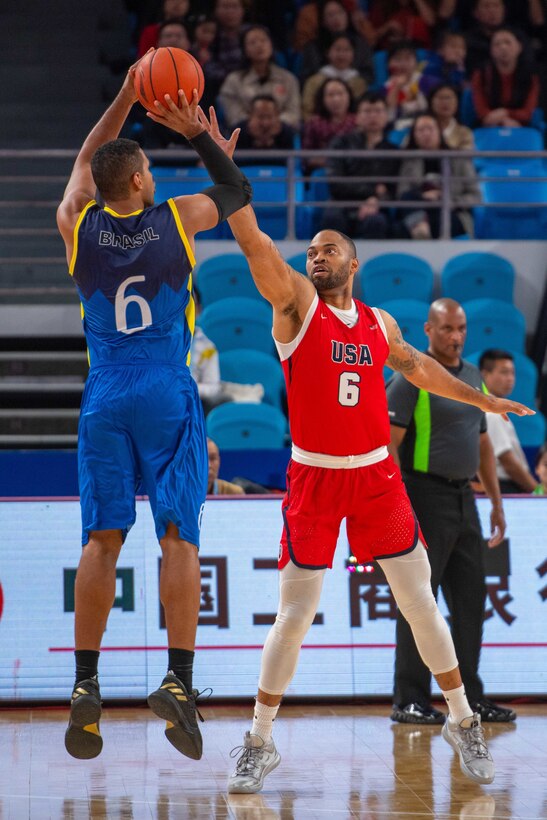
(39, 422)
(30, 363)
(38, 442)
(48, 394)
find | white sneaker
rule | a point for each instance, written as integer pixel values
(475, 759)
(257, 759)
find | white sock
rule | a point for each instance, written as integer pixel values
(263, 719)
(458, 705)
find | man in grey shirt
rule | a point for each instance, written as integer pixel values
(440, 445)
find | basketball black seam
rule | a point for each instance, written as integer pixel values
(150, 78)
(176, 75)
(198, 75)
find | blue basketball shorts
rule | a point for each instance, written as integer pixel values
(142, 425)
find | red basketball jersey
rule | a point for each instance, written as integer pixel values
(335, 386)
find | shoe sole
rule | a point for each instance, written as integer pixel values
(467, 772)
(435, 721)
(254, 788)
(187, 741)
(82, 737)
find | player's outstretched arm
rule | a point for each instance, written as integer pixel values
(425, 372)
(81, 187)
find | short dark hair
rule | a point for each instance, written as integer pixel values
(491, 356)
(264, 98)
(113, 165)
(401, 45)
(349, 242)
(372, 97)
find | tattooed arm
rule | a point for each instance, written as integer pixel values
(426, 373)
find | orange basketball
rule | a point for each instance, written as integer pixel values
(164, 71)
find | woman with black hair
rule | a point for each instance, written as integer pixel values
(506, 89)
(421, 180)
(259, 76)
(444, 102)
(332, 116)
(335, 21)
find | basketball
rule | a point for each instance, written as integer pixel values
(164, 71)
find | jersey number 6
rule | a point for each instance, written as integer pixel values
(348, 389)
(122, 301)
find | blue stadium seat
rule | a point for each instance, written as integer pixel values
(505, 139)
(526, 373)
(269, 185)
(396, 276)
(183, 181)
(468, 115)
(410, 315)
(508, 222)
(397, 136)
(531, 430)
(253, 367)
(225, 275)
(478, 275)
(309, 217)
(493, 323)
(247, 427)
(239, 322)
(298, 261)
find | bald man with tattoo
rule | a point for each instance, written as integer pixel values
(333, 349)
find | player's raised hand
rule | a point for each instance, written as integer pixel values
(505, 406)
(128, 87)
(182, 118)
(211, 126)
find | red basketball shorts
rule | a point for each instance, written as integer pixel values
(380, 520)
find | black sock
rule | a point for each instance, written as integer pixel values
(86, 663)
(181, 662)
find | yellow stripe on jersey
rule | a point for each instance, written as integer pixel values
(190, 314)
(182, 232)
(76, 229)
(82, 314)
(121, 216)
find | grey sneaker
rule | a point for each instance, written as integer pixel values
(257, 759)
(475, 759)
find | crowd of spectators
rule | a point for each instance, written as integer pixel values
(367, 74)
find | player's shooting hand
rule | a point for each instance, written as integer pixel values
(503, 406)
(182, 118)
(211, 126)
(128, 87)
(497, 527)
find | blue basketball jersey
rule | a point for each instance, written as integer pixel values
(133, 274)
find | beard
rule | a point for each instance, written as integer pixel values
(331, 280)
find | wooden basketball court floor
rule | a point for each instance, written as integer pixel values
(338, 762)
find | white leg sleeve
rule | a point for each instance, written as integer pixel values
(299, 593)
(409, 577)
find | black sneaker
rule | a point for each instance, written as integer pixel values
(83, 738)
(416, 713)
(491, 712)
(172, 703)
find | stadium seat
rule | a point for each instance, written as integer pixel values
(396, 276)
(531, 430)
(478, 275)
(225, 275)
(468, 115)
(238, 322)
(526, 373)
(505, 139)
(269, 185)
(493, 323)
(508, 222)
(253, 367)
(309, 216)
(298, 261)
(397, 136)
(410, 315)
(182, 181)
(247, 427)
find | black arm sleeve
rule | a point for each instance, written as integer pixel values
(232, 190)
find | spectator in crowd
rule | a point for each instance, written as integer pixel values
(170, 10)
(369, 218)
(447, 63)
(332, 116)
(173, 33)
(505, 88)
(395, 20)
(216, 485)
(541, 470)
(278, 17)
(226, 51)
(407, 87)
(421, 180)
(334, 22)
(498, 374)
(488, 16)
(264, 129)
(440, 445)
(307, 22)
(260, 75)
(339, 66)
(528, 15)
(203, 37)
(443, 104)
